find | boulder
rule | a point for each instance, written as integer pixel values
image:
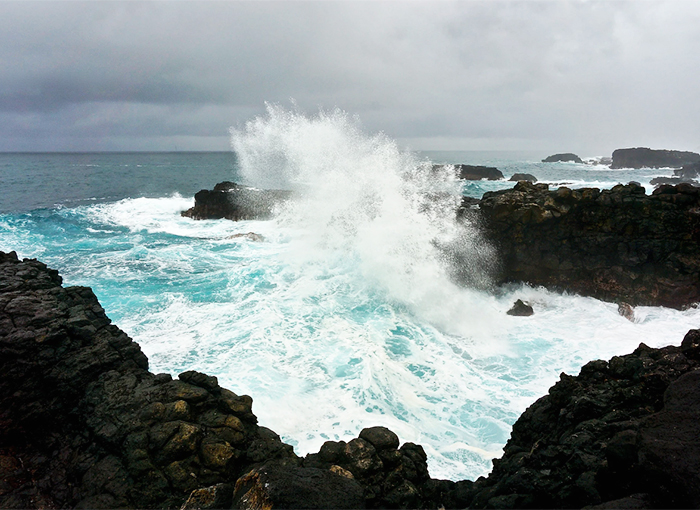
(643, 157)
(235, 202)
(521, 309)
(474, 172)
(523, 177)
(565, 157)
(617, 245)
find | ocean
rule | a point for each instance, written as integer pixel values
(344, 316)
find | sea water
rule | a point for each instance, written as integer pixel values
(345, 315)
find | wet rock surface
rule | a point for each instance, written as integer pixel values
(616, 245)
(235, 202)
(84, 424)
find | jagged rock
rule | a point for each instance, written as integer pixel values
(82, 421)
(521, 309)
(609, 437)
(643, 157)
(523, 177)
(616, 245)
(565, 157)
(235, 202)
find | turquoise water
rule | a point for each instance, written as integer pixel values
(343, 317)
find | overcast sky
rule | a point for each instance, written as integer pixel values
(557, 76)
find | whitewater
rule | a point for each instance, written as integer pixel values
(345, 315)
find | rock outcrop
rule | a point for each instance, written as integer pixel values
(474, 172)
(643, 157)
(523, 177)
(566, 157)
(84, 424)
(686, 174)
(617, 244)
(235, 202)
(622, 434)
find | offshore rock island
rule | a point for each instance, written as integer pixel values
(84, 424)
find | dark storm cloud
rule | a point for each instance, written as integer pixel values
(559, 75)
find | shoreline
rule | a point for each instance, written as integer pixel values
(86, 425)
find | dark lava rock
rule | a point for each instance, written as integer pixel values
(643, 157)
(84, 424)
(523, 177)
(474, 172)
(521, 309)
(622, 434)
(279, 484)
(235, 202)
(566, 157)
(616, 245)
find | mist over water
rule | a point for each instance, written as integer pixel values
(347, 315)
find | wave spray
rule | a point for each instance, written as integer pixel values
(360, 198)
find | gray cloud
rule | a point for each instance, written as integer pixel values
(549, 75)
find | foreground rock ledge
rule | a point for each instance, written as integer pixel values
(84, 424)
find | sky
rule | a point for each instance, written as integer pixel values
(554, 76)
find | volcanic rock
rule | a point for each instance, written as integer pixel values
(621, 433)
(616, 245)
(643, 157)
(566, 157)
(523, 177)
(235, 202)
(521, 309)
(84, 424)
(474, 172)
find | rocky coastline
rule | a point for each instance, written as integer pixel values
(84, 424)
(618, 245)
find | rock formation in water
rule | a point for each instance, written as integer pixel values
(686, 174)
(643, 157)
(523, 177)
(566, 157)
(235, 202)
(84, 424)
(475, 172)
(617, 244)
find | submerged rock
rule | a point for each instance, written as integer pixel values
(616, 245)
(565, 157)
(643, 157)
